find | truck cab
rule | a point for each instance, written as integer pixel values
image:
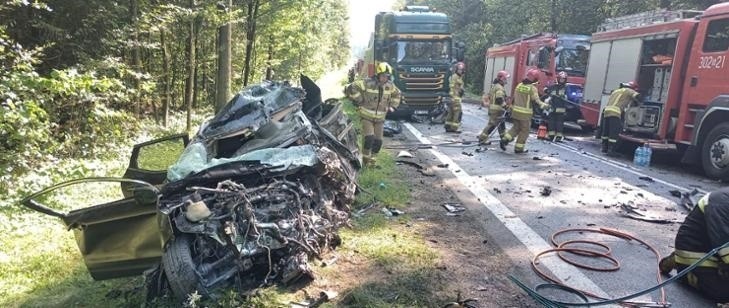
(417, 43)
(703, 116)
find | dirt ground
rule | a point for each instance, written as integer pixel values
(467, 260)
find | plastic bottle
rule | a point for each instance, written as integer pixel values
(638, 156)
(647, 153)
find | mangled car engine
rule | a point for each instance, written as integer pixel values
(261, 188)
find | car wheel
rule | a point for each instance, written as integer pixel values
(180, 268)
(715, 152)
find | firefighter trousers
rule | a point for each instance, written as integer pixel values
(372, 131)
(709, 281)
(453, 120)
(495, 121)
(611, 128)
(555, 124)
(520, 130)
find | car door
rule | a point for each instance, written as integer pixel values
(119, 236)
(149, 160)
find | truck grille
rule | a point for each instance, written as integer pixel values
(423, 82)
(426, 101)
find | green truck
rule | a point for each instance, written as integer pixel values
(417, 42)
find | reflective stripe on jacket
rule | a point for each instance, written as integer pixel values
(496, 91)
(456, 84)
(373, 100)
(618, 101)
(524, 96)
(705, 228)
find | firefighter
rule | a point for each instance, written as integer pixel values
(706, 227)
(374, 98)
(495, 101)
(526, 95)
(612, 115)
(453, 120)
(558, 94)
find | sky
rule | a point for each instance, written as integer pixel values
(362, 20)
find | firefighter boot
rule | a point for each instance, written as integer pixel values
(667, 264)
(612, 151)
(605, 147)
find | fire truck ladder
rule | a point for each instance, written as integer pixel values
(646, 18)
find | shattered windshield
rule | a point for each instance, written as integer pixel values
(422, 51)
(573, 61)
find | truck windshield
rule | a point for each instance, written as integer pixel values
(422, 51)
(573, 61)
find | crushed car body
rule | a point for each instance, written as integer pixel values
(258, 191)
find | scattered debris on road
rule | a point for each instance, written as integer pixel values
(536, 158)
(546, 191)
(646, 178)
(404, 154)
(423, 170)
(442, 166)
(631, 212)
(391, 128)
(453, 207)
(676, 193)
(467, 153)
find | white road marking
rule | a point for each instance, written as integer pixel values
(526, 235)
(622, 166)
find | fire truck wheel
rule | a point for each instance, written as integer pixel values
(715, 152)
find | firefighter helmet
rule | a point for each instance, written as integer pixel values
(502, 75)
(532, 75)
(562, 75)
(459, 68)
(384, 68)
(630, 84)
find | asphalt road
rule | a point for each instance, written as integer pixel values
(587, 189)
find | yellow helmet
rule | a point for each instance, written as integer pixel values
(383, 68)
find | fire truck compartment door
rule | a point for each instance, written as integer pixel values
(597, 70)
(509, 67)
(489, 75)
(624, 59)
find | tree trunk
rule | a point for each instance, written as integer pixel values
(222, 85)
(553, 17)
(250, 37)
(190, 69)
(165, 79)
(136, 57)
(195, 85)
(269, 69)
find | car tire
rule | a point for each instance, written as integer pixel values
(715, 152)
(180, 269)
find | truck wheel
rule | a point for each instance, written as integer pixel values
(179, 267)
(715, 152)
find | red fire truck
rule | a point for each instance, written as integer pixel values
(549, 53)
(679, 61)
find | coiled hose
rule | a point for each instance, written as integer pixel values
(583, 295)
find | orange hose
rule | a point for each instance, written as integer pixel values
(560, 248)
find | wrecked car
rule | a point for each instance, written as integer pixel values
(260, 189)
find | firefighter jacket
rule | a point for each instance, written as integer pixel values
(558, 92)
(526, 95)
(619, 100)
(456, 84)
(705, 228)
(372, 99)
(497, 96)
